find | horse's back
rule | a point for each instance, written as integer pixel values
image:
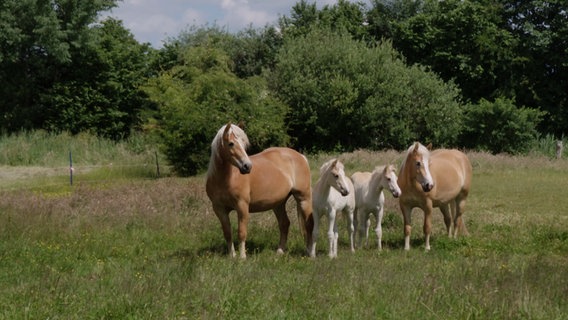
(280, 163)
(360, 179)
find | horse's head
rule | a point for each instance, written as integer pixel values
(418, 165)
(336, 176)
(391, 181)
(233, 147)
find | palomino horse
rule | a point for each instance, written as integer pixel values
(440, 178)
(370, 199)
(261, 182)
(333, 193)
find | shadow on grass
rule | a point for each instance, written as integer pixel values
(219, 248)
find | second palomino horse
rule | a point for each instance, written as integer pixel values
(370, 199)
(333, 193)
(440, 178)
(261, 182)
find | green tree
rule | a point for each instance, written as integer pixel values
(343, 94)
(462, 41)
(344, 16)
(37, 40)
(199, 95)
(541, 72)
(99, 90)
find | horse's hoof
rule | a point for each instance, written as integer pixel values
(279, 251)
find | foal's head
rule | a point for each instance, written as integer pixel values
(418, 165)
(231, 144)
(333, 171)
(389, 180)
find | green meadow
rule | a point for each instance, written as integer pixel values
(123, 243)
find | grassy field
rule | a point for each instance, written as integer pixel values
(119, 247)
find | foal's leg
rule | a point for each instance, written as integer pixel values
(379, 228)
(350, 228)
(223, 216)
(332, 234)
(283, 225)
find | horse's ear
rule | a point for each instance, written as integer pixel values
(334, 163)
(241, 124)
(416, 146)
(429, 146)
(227, 128)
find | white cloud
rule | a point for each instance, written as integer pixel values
(155, 20)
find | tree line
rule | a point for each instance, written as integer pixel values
(489, 75)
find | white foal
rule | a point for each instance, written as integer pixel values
(332, 193)
(370, 199)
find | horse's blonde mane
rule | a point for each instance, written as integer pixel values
(217, 142)
(422, 149)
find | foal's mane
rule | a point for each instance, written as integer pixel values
(217, 143)
(324, 167)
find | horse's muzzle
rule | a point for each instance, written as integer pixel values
(245, 168)
(426, 187)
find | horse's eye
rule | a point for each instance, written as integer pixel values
(389, 179)
(418, 164)
(335, 175)
(231, 144)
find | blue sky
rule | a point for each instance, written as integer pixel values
(154, 21)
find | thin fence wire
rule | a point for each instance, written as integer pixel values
(13, 178)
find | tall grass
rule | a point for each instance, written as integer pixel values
(41, 148)
(545, 145)
(153, 249)
(47, 157)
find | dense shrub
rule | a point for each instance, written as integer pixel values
(499, 126)
(344, 95)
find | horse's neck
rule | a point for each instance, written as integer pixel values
(375, 185)
(222, 172)
(322, 187)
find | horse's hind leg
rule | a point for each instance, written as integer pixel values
(223, 216)
(447, 212)
(305, 213)
(283, 225)
(458, 219)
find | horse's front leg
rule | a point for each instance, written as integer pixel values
(406, 211)
(283, 225)
(223, 216)
(427, 225)
(243, 217)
